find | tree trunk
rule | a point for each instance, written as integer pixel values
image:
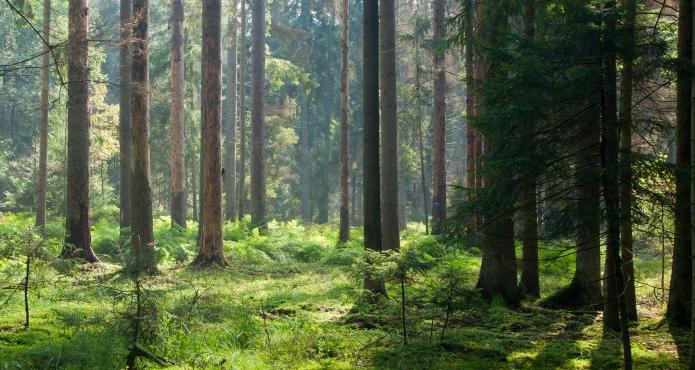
(230, 173)
(194, 187)
(498, 267)
(242, 113)
(304, 158)
(439, 119)
(679, 300)
(141, 194)
(125, 116)
(626, 240)
(178, 167)
(258, 215)
(370, 138)
(530, 283)
(470, 96)
(211, 247)
(389, 125)
(78, 240)
(42, 182)
(344, 233)
(614, 311)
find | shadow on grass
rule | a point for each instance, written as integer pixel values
(681, 337)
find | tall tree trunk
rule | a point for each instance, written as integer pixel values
(242, 113)
(78, 240)
(211, 247)
(470, 96)
(439, 119)
(530, 282)
(178, 167)
(42, 181)
(389, 125)
(370, 138)
(498, 268)
(141, 194)
(344, 233)
(258, 215)
(614, 312)
(679, 299)
(230, 173)
(626, 160)
(421, 144)
(304, 158)
(125, 138)
(194, 187)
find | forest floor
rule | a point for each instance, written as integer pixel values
(293, 299)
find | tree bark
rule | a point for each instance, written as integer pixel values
(626, 241)
(304, 158)
(470, 96)
(439, 119)
(78, 240)
(530, 280)
(211, 246)
(389, 125)
(614, 311)
(42, 181)
(344, 233)
(230, 173)
(178, 167)
(370, 138)
(125, 138)
(679, 300)
(258, 215)
(141, 194)
(242, 113)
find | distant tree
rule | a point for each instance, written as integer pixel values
(230, 172)
(242, 111)
(211, 247)
(258, 215)
(177, 159)
(470, 94)
(42, 180)
(679, 300)
(389, 125)
(370, 132)
(142, 238)
(344, 129)
(78, 240)
(439, 118)
(125, 112)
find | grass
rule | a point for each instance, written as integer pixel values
(293, 299)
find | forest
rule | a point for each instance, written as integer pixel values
(339, 184)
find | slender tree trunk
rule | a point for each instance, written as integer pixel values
(679, 300)
(230, 173)
(178, 167)
(42, 182)
(242, 113)
(439, 119)
(615, 311)
(370, 137)
(626, 240)
(125, 138)
(530, 281)
(211, 247)
(470, 96)
(78, 240)
(194, 186)
(344, 233)
(304, 154)
(692, 209)
(141, 194)
(258, 215)
(421, 144)
(389, 125)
